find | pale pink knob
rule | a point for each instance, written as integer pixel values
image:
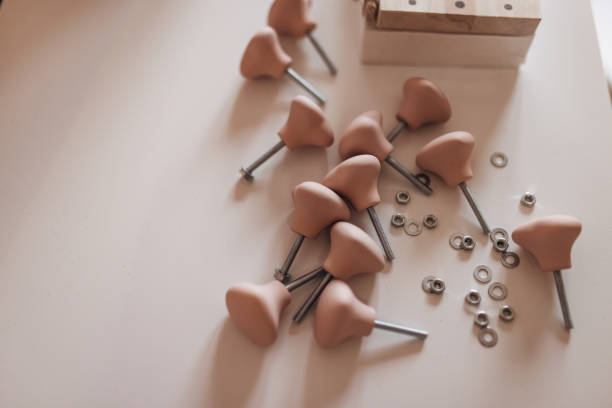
(264, 56)
(306, 125)
(423, 103)
(449, 156)
(549, 240)
(291, 17)
(352, 252)
(356, 179)
(256, 309)
(316, 207)
(364, 135)
(340, 315)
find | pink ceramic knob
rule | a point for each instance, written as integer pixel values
(356, 179)
(256, 309)
(423, 103)
(264, 57)
(291, 17)
(364, 135)
(449, 156)
(351, 252)
(550, 241)
(315, 207)
(340, 315)
(306, 125)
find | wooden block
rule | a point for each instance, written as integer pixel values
(496, 17)
(442, 49)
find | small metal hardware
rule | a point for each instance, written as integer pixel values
(501, 244)
(398, 220)
(430, 221)
(413, 228)
(483, 274)
(473, 298)
(510, 259)
(506, 313)
(456, 241)
(487, 337)
(402, 197)
(498, 233)
(481, 319)
(499, 159)
(498, 291)
(528, 199)
(437, 286)
(426, 283)
(468, 243)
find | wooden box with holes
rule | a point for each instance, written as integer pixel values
(471, 33)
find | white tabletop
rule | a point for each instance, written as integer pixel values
(123, 219)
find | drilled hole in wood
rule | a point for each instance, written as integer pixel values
(459, 4)
(412, 2)
(508, 6)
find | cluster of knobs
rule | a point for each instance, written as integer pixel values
(256, 309)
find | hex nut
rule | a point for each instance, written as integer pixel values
(481, 319)
(430, 221)
(528, 199)
(506, 313)
(468, 242)
(398, 220)
(402, 197)
(501, 245)
(437, 286)
(473, 298)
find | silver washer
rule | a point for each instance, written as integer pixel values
(426, 283)
(493, 291)
(500, 244)
(456, 241)
(398, 220)
(402, 197)
(498, 233)
(528, 199)
(506, 313)
(413, 228)
(510, 259)
(468, 242)
(499, 159)
(473, 298)
(437, 286)
(487, 337)
(478, 274)
(430, 221)
(481, 319)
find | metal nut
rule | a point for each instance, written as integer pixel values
(468, 243)
(506, 313)
(398, 220)
(473, 298)
(402, 197)
(437, 286)
(430, 221)
(528, 199)
(501, 245)
(481, 319)
(426, 283)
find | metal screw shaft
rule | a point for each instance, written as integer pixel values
(312, 298)
(411, 177)
(396, 131)
(567, 318)
(396, 328)
(468, 195)
(330, 65)
(381, 233)
(304, 279)
(306, 85)
(247, 172)
(282, 274)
